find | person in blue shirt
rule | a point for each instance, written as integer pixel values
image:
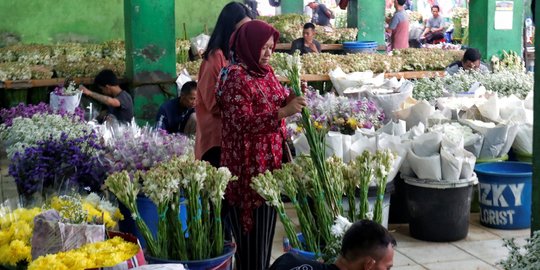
(177, 115)
(366, 245)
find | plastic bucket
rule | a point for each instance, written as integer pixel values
(149, 214)
(360, 47)
(399, 213)
(505, 194)
(302, 253)
(439, 210)
(223, 262)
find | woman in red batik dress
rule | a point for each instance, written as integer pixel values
(253, 106)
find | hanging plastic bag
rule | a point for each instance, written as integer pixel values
(199, 43)
(66, 103)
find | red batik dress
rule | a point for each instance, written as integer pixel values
(252, 134)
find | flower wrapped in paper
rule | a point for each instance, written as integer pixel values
(71, 222)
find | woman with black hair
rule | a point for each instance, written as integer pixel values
(216, 56)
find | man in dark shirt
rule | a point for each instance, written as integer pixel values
(367, 245)
(321, 14)
(306, 44)
(174, 115)
(471, 61)
(119, 103)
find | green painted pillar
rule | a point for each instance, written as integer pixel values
(292, 6)
(150, 54)
(485, 25)
(535, 208)
(368, 17)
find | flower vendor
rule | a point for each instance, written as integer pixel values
(307, 43)
(118, 101)
(471, 61)
(177, 115)
(366, 245)
(253, 107)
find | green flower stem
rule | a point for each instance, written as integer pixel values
(311, 241)
(177, 244)
(162, 238)
(352, 202)
(218, 231)
(196, 234)
(289, 228)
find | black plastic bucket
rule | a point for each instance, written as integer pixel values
(399, 213)
(439, 211)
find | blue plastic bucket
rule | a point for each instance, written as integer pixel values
(223, 262)
(505, 194)
(360, 46)
(302, 253)
(149, 214)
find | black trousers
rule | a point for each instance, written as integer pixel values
(430, 37)
(254, 248)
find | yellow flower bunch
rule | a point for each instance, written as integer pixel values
(15, 235)
(101, 254)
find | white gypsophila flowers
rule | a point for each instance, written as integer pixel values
(106, 205)
(454, 132)
(26, 132)
(92, 199)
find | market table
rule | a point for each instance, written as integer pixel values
(25, 84)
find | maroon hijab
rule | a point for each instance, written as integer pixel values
(248, 41)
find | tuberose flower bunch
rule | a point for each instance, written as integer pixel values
(202, 186)
(299, 183)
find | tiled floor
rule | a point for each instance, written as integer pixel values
(480, 250)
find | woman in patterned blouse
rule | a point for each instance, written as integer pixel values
(253, 106)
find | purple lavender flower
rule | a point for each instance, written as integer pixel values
(59, 164)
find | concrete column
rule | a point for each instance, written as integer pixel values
(292, 6)
(482, 32)
(535, 208)
(368, 17)
(150, 54)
